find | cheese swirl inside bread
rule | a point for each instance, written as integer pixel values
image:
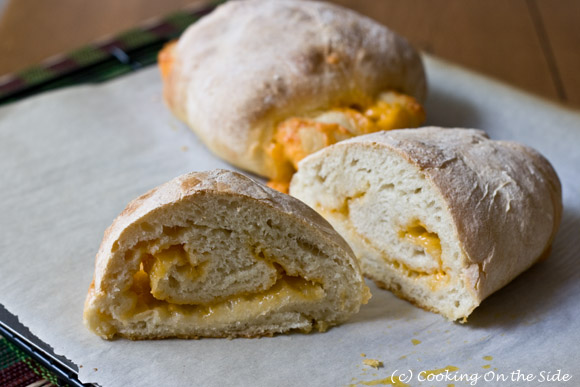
(216, 254)
(298, 137)
(441, 217)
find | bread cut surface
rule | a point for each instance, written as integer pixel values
(262, 82)
(442, 217)
(215, 254)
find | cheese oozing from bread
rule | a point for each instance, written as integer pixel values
(217, 255)
(298, 137)
(441, 217)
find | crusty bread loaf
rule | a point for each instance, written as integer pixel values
(249, 66)
(215, 254)
(442, 217)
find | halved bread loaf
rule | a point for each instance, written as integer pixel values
(216, 254)
(442, 217)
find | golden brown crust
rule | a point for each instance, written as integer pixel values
(251, 64)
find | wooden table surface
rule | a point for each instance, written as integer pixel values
(531, 44)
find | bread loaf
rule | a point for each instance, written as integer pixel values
(264, 83)
(215, 254)
(441, 217)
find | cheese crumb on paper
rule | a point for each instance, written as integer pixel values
(373, 363)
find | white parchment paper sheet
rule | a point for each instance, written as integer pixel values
(72, 159)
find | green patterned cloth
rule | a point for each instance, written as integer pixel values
(17, 368)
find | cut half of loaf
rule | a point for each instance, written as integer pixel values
(215, 254)
(441, 217)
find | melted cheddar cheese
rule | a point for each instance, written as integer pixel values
(143, 299)
(287, 290)
(296, 137)
(418, 235)
(170, 263)
(415, 232)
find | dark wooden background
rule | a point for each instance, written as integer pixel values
(531, 44)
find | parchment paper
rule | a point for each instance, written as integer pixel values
(72, 159)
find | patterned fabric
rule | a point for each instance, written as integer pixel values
(102, 60)
(97, 62)
(18, 369)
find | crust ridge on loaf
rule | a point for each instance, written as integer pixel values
(215, 254)
(442, 217)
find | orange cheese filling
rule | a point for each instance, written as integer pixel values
(287, 290)
(296, 138)
(173, 259)
(142, 297)
(415, 233)
(418, 235)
